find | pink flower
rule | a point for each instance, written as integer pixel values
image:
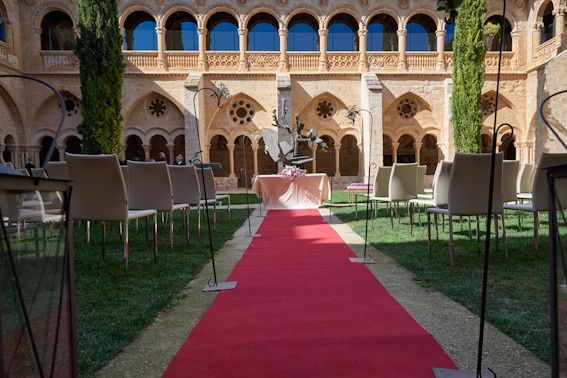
(292, 172)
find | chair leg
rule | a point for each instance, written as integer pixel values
(88, 233)
(126, 243)
(502, 216)
(171, 231)
(215, 215)
(229, 213)
(436, 219)
(429, 232)
(137, 224)
(536, 231)
(461, 222)
(392, 215)
(419, 214)
(199, 219)
(411, 218)
(155, 236)
(451, 239)
(187, 212)
(496, 230)
(103, 225)
(470, 229)
(146, 229)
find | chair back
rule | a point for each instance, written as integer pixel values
(468, 184)
(99, 192)
(441, 187)
(57, 170)
(149, 186)
(124, 170)
(185, 184)
(420, 179)
(524, 184)
(510, 180)
(38, 172)
(208, 185)
(402, 182)
(382, 181)
(540, 189)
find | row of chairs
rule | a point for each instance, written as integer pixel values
(107, 192)
(459, 190)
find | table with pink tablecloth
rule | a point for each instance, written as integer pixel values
(279, 192)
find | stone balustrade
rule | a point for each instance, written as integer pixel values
(341, 61)
(182, 60)
(421, 61)
(141, 60)
(546, 51)
(263, 60)
(303, 61)
(379, 61)
(59, 61)
(222, 60)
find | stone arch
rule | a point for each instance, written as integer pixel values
(219, 152)
(154, 111)
(13, 123)
(129, 9)
(158, 145)
(406, 148)
(339, 10)
(411, 114)
(241, 149)
(45, 142)
(334, 120)
(384, 10)
(48, 114)
(39, 134)
(134, 149)
(429, 153)
(349, 156)
(158, 131)
(299, 10)
(387, 152)
(427, 12)
(162, 20)
(259, 10)
(506, 113)
(72, 144)
(222, 9)
(325, 158)
(54, 6)
(129, 131)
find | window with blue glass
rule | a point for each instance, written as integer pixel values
(382, 34)
(420, 32)
(222, 33)
(303, 33)
(449, 36)
(3, 19)
(548, 19)
(181, 32)
(263, 33)
(57, 32)
(140, 32)
(343, 33)
(493, 43)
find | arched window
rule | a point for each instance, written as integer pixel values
(302, 33)
(219, 153)
(140, 32)
(343, 33)
(222, 33)
(382, 33)
(348, 156)
(10, 143)
(57, 32)
(406, 149)
(158, 145)
(135, 149)
(181, 32)
(429, 153)
(73, 145)
(387, 156)
(421, 34)
(494, 41)
(3, 22)
(548, 19)
(45, 145)
(449, 36)
(263, 33)
(507, 147)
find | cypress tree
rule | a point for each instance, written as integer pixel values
(468, 75)
(99, 49)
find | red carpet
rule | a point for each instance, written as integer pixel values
(302, 309)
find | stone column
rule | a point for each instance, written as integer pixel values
(440, 49)
(231, 159)
(395, 146)
(15, 155)
(417, 153)
(515, 47)
(243, 42)
(171, 153)
(372, 135)
(2, 149)
(147, 149)
(283, 82)
(192, 143)
(536, 35)
(363, 64)
(202, 48)
(445, 143)
(283, 50)
(161, 47)
(34, 152)
(559, 21)
(62, 148)
(338, 160)
(207, 153)
(323, 64)
(314, 161)
(402, 49)
(255, 149)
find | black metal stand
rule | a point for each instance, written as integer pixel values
(352, 112)
(245, 171)
(212, 285)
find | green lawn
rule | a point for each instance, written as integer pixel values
(113, 306)
(518, 286)
(240, 198)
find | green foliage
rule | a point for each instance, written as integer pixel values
(468, 75)
(99, 49)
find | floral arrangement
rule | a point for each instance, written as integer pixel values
(292, 172)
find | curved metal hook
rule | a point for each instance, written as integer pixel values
(61, 106)
(543, 117)
(507, 136)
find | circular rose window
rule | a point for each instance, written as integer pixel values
(157, 107)
(407, 108)
(241, 112)
(488, 103)
(325, 109)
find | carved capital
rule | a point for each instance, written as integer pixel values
(323, 32)
(402, 32)
(242, 31)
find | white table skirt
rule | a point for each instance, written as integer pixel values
(278, 192)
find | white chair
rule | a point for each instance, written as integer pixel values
(57, 170)
(209, 189)
(99, 194)
(149, 187)
(401, 187)
(525, 182)
(468, 194)
(420, 179)
(186, 189)
(510, 180)
(540, 190)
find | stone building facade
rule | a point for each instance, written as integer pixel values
(390, 57)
